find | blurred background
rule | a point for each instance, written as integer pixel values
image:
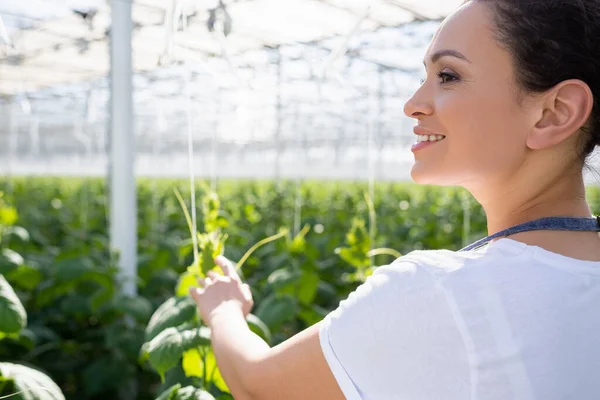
(278, 119)
(270, 88)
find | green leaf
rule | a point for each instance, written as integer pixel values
(27, 339)
(312, 314)
(210, 211)
(207, 249)
(9, 260)
(187, 280)
(74, 305)
(170, 393)
(18, 231)
(33, 384)
(121, 341)
(71, 269)
(102, 374)
(173, 312)
(167, 348)
(192, 363)
(213, 373)
(354, 257)
(8, 216)
(307, 290)
(43, 333)
(6, 385)
(25, 276)
(52, 291)
(13, 317)
(136, 306)
(274, 311)
(103, 278)
(192, 393)
(284, 279)
(176, 375)
(100, 297)
(251, 214)
(298, 244)
(259, 327)
(211, 245)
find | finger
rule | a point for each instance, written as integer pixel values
(196, 293)
(204, 282)
(226, 266)
(213, 275)
(246, 290)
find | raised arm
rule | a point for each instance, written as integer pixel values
(294, 369)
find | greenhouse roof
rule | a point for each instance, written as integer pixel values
(51, 42)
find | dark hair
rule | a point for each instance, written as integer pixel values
(552, 41)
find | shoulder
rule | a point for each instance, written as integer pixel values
(415, 276)
(444, 264)
(433, 265)
(399, 320)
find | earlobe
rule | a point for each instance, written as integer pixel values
(566, 108)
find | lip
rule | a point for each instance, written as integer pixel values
(418, 146)
(419, 130)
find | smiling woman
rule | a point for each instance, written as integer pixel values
(510, 110)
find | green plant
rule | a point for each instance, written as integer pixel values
(176, 335)
(88, 337)
(18, 381)
(82, 330)
(359, 250)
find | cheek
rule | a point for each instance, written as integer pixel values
(482, 127)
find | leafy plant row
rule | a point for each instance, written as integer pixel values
(96, 343)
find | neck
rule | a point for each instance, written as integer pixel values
(517, 201)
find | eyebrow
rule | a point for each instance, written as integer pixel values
(447, 53)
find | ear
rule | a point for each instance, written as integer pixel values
(566, 108)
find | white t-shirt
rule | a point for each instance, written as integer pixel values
(506, 322)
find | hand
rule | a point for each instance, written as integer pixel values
(221, 292)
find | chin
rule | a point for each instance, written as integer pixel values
(424, 176)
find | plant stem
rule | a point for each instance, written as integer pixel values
(203, 352)
(372, 219)
(257, 245)
(384, 250)
(190, 223)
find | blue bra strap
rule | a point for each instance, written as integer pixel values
(548, 223)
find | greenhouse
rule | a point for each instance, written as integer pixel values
(141, 138)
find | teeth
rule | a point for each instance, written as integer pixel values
(429, 138)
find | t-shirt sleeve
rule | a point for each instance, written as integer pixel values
(393, 337)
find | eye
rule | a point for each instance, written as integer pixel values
(447, 77)
(422, 81)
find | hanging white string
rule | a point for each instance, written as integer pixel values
(173, 15)
(372, 119)
(188, 109)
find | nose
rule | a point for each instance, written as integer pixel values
(418, 105)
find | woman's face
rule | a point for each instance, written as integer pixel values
(469, 96)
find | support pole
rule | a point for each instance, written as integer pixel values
(123, 207)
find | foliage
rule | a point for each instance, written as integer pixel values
(81, 330)
(175, 334)
(88, 338)
(18, 381)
